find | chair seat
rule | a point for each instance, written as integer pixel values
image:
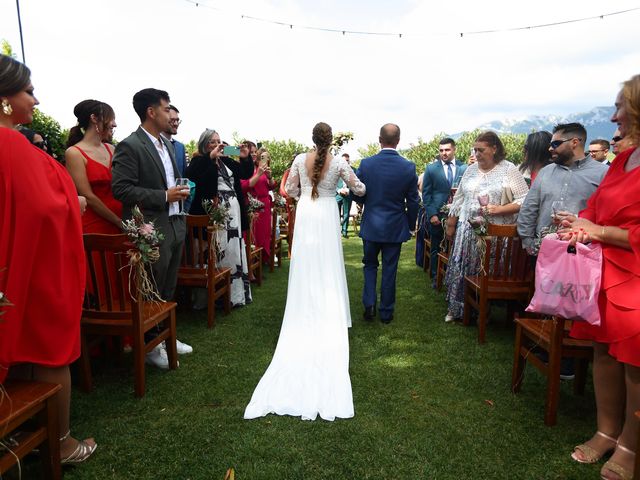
(24, 401)
(197, 277)
(535, 333)
(541, 330)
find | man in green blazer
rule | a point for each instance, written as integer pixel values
(144, 174)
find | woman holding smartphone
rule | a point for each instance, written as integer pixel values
(259, 185)
(218, 178)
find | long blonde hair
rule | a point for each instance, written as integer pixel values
(322, 137)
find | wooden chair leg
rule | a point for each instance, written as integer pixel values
(519, 362)
(50, 450)
(172, 352)
(466, 312)
(211, 304)
(139, 354)
(482, 319)
(85, 364)
(553, 373)
(579, 382)
(227, 296)
(259, 276)
(439, 269)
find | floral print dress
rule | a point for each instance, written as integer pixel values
(464, 259)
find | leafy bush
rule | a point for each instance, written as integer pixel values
(282, 153)
(424, 152)
(50, 128)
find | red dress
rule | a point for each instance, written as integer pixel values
(616, 202)
(41, 249)
(99, 178)
(262, 223)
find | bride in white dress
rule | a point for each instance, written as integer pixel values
(309, 372)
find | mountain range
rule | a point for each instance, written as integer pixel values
(596, 121)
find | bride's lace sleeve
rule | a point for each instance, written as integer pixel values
(349, 177)
(292, 185)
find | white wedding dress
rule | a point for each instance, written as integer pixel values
(309, 372)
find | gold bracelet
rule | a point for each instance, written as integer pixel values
(602, 232)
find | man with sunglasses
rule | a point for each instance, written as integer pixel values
(615, 142)
(564, 185)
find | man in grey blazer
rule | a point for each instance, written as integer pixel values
(144, 174)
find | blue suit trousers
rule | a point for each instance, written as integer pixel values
(390, 256)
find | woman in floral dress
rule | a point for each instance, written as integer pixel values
(491, 179)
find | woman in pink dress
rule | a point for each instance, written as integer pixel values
(88, 160)
(259, 186)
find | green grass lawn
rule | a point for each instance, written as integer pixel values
(430, 403)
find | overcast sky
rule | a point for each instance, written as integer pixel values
(268, 81)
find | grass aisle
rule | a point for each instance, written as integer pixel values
(430, 402)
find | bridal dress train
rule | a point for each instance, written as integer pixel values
(309, 373)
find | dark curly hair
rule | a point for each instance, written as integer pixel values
(83, 111)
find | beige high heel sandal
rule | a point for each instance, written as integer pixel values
(591, 455)
(618, 470)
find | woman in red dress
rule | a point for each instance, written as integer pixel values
(88, 159)
(612, 217)
(259, 186)
(41, 249)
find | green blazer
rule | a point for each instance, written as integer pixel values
(139, 177)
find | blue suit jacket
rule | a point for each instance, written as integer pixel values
(435, 187)
(391, 202)
(181, 156)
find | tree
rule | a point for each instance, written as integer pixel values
(340, 139)
(6, 49)
(50, 128)
(282, 153)
(191, 147)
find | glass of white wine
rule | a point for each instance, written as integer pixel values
(184, 183)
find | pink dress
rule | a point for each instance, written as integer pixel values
(262, 223)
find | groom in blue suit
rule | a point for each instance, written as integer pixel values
(390, 212)
(439, 177)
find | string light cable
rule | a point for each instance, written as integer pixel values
(345, 31)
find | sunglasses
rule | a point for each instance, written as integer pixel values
(556, 143)
(616, 138)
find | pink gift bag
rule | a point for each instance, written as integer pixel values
(568, 280)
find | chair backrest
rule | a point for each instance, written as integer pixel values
(112, 284)
(196, 245)
(505, 259)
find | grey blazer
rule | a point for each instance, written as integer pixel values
(139, 177)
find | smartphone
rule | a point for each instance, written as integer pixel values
(231, 151)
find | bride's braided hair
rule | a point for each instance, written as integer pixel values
(322, 137)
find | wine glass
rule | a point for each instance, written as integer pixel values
(557, 206)
(483, 198)
(184, 183)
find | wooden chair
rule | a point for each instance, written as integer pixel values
(20, 402)
(443, 261)
(276, 242)
(198, 266)
(254, 256)
(114, 307)
(426, 255)
(535, 333)
(509, 277)
(356, 217)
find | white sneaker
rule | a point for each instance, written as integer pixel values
(448, 318)
(158, 358)
(183, 348)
